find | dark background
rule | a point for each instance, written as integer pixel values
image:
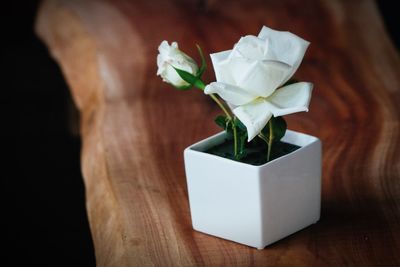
(44, 201)
(43, 192)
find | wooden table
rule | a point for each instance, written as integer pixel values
(134, 127)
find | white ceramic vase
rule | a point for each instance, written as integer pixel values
(254, 205)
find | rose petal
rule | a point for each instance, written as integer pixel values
(221, 72)
(290, 99)
(285, 47)
(250, 47)
(230, 93)
(170, 75)
(259, 78)
(160, 64)
(163, 48)
(171, 56)
(254, 115)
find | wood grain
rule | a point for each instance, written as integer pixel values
(134, 127)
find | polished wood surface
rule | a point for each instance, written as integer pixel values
(134, 127)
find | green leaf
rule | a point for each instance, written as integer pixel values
(241, 130)
(242, 138)
(199, 84)
(190, 78)
(221, 120)
(186, 76)
(183, 87)
(278, 129)
(203, 62)
(240, 125)
(264, 135)
(242, 151)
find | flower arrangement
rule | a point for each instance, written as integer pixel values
(254, 80)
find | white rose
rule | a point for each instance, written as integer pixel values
(249, 74)
(171, 57)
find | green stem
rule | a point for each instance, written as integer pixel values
(222, 107)
(199, 84)
(235, 141)
(263, 137)
(270, 139)
(235, 150)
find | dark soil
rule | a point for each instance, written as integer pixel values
(256, 155)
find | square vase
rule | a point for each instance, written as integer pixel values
(254, 205)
